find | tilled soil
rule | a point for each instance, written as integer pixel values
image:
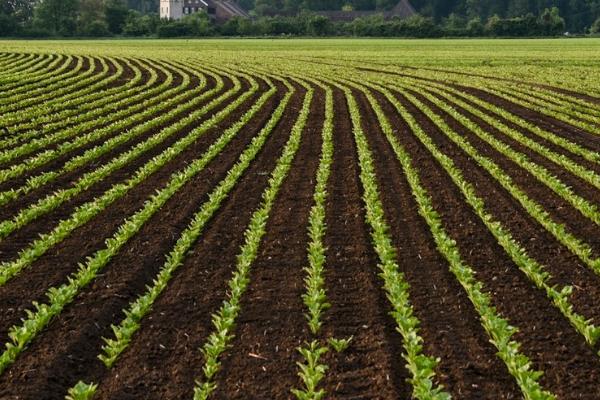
(164, 361)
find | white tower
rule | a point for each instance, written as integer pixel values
(171, 9)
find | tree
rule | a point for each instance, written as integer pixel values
(141, 25)
(8, 25)
(19, 10)
(59, 17)
(318, 25)
(292, 6)
(90, 20)
(551, 23)
(116, 13)
(518, 8)
(198, 24)
(475, 27)
(595, 29)
(454, 22)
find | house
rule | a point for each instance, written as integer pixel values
(219, 10)
(401, 10)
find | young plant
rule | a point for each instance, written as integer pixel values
(339, 345)
(82, 391)
(311, 372)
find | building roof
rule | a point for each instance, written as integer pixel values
(401, 10)
(223, 10)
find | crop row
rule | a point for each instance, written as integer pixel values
(59, 297)
(128, 122)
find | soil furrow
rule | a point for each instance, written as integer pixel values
(557, 127)
(545, 335)
(449, 325)
(539, 243)
(144, 69)
(573, 93)
(166, 350)
(21, 86)
(555, 148)
(121, 282)
(560, 210)
(75, 87)
(42, 67)
(10, 246)
(554, 125)
(52, 267)
(271, 323)
(372, 367)
(12, 208)
(194, 82)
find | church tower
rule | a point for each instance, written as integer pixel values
(171, 9)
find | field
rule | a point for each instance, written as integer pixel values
(300, 219)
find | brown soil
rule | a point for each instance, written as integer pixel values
(101, 122)
(557, 127)
(372, 367)
(266, 342)
(13, 208)
(555, 148)
(68, 253)
(19, 90)
(163, 360)
(97, 76)
(120, 283)
(449, 324)
(539, 243)
(559, 209)
(165, 354)
(58, 162)
(556, 348)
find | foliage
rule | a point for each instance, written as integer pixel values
(59, 17)
(295, 17)
(340, 345)
(116, 13)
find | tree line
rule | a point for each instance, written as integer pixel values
(435, 18)
(579, 15)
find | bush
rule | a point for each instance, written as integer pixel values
(318, 25)
(141, 25)
(96, 28)
(475, 27)
(173, 29)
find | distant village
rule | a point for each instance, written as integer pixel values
(223, 10)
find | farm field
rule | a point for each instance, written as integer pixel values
(300, 219)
